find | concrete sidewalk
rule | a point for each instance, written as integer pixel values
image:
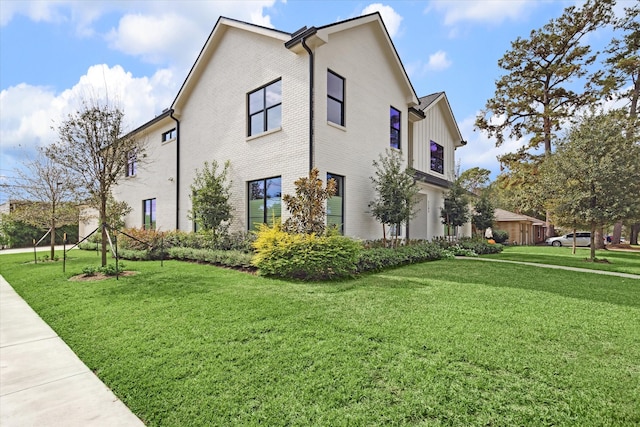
(43, 382)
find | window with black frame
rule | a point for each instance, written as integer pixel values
(394, 119)
(149, 214)
(335, 204)
(437, 157)
(265, 202)
(265, 108)
(335, 98)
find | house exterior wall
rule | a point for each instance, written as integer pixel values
(434, 127)
(520, 232)
(155, 178)
(371, 88)
(213, 126)
(214, 119)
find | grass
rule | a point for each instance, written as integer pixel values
(618, 261)
(442, 343)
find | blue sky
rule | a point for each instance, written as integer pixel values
(54, 52)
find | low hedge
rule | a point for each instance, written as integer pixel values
(304, 256)
(377, 259)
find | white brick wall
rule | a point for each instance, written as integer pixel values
(214, 127)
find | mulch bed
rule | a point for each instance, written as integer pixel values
(99, 276)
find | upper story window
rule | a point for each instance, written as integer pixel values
(169, 135)
(132, 163)
(265, 108)
(437, 157)
(265, 201)
(149, 214)
(394, 119)
(335, 98)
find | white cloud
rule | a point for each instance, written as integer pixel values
(491, 11)
(438, 61)
(30, 112)
(390, 17)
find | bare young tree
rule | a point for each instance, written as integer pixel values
(93, 144)
(49, 193)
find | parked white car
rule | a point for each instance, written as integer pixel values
(582, 239)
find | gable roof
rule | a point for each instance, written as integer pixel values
(207, 50)
(505, 216)
(315, 37)
(430, 101)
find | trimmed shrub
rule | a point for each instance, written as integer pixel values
(377, 258)
(304, 256)
(477, 245)
(500, 236)
(236, 259)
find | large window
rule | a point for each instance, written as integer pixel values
(394, 119)
(335, 204)
(132, 163)
(265, 201)
(149, 218)
(335, 98)
(265, 108)
(437, 157)
(169, 135)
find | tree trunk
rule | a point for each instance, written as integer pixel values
(550, 232)
(599, 243)
(617, 233)
(635, 230)
(103, 221)
(592, 246)
(53, 238)
(573, 247)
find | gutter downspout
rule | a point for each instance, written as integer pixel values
(177, 169)
(311, 99)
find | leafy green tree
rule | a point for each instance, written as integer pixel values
(475, 180)
(622, 78)
(593, 177)
(455, 212)
(210, 193)
(307, 207)
(537, 94)
(92, 143)
(396, 192)
(483, 213)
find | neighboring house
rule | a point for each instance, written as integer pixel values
(522, 229)
(276, 105)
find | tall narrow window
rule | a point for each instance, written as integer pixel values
(149, 218)
(335, 204)
(394, 119)
(132, 163)
(265, 108)
(437, 157)
(265, 202)
(335, 98)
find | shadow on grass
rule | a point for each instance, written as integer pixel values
(586, 286)
(623, 262)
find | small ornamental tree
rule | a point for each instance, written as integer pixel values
(92, 143)
(396, 191)
(307, 207)
(483, 215)
(49, 192)
(456, 207)
(210, 193)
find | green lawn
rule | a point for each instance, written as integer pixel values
(619, 261)
(452, 342)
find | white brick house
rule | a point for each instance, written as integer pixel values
(277, 104)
